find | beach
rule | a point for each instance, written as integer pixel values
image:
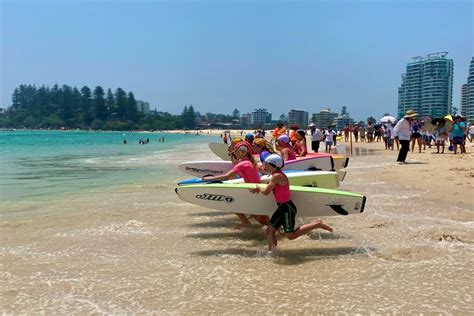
(137, 248)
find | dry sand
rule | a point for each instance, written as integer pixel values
(446, 177)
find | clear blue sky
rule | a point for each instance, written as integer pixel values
(218, 55)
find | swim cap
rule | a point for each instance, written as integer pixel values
(236, 140)
(260, 142)
(249, 136)
(284, 139)
(275, 161)
(243, 146)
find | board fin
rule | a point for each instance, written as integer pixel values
(339, 209)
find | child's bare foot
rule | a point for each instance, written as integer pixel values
(324, 226)
(242, 225)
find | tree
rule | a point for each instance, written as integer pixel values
(121, 104)
(110, 103)
(344, 111)
(236, 114)
(100, 110)
(131, 108)
(188, 117)
(86, 105)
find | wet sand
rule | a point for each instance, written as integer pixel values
(141, 250)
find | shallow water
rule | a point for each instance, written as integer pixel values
(138, 249)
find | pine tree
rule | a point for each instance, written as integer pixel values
(110, 104)
(121, 104)
(86, 105)
(131, 108)
(100, 110)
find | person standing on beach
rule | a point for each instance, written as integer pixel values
(329, 139)
(402, 132)
(286, 210)
(459, 128)
(316, 137)
(441, 135)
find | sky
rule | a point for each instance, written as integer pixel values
(221, 55)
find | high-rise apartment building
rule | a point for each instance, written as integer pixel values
(469, 109)
(324, 118)
(427, 86)
(260, 117)
(143, 107)
(245, 119)
(464, 99)
(299, 118)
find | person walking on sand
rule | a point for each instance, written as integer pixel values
(415, 135)
(286, 210)
(329, 134)
(441, 135)
(402, 132)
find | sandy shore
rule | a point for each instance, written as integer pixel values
(444, 177)
(139, 249)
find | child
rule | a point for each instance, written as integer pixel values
(286, 211)
(329, 139)
(247, 169)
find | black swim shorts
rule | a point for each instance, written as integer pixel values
(284, 215)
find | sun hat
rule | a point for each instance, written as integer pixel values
(284, 139)
(275, 161)
(312, 125)
(410, 113)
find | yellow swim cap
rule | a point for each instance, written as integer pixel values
(236, 140)
(260, 142)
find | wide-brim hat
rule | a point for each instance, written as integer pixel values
(410, 113)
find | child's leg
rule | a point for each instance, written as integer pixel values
(272, 241)
(308, 227)
(244, 222)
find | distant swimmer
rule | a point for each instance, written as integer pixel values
(286, 211)
(124, 141)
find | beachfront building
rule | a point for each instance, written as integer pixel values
(245, 119)
(260, 117)
(427, 86)
(464, 99)
(298, 118)
(143, 107)
(468, 109)
(324, 118)
(343, 119)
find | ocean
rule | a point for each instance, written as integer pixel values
(92, 226)
(40, 166)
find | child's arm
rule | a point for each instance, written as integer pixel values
(276, 179)
(226, 176)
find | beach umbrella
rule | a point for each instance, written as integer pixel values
(387, 119)
(449, 117)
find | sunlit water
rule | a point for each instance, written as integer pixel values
(136, 248)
